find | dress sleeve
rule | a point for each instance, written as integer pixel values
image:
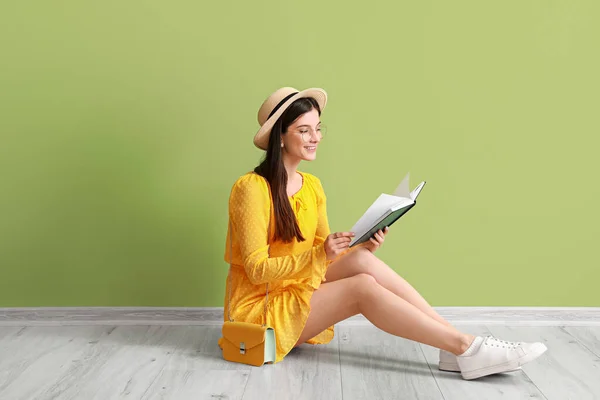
(250, 212)
(323, 223)
(323, 229)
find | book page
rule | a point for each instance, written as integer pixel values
(376, 211)
(415, 193)
(380, 208)
(403, 188)
(387, 220)
(384, 205)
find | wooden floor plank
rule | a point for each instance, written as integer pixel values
(196, 369)
(198, 349)
(9, 336)
(9, 331)
(38, 357)
(589, 336)
(173, 384)
(362, 362)
(566, 371)
(122, 364)
(513, 385)
(377, 365)
(307, 372)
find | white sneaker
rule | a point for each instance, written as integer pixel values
(494, 356)
(448, 362)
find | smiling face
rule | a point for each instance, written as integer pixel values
(302, 138)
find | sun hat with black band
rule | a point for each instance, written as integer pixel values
(274, 106)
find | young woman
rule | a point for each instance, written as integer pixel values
(280, 236)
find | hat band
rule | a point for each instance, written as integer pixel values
(278, 106)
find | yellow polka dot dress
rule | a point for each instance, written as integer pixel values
(293, 270)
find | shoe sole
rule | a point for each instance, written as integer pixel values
(507, 366)
(451, 367)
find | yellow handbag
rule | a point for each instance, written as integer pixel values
(245, 342)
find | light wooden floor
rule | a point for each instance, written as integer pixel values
(184, 362)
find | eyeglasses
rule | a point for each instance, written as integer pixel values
(307, 133)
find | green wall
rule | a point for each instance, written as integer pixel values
(124, 125)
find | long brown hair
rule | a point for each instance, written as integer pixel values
(273, 170)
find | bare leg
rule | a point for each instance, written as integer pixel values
(335, 301)
(362, 261)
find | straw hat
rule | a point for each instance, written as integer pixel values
(272, 108)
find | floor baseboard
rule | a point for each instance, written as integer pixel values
(53, 316)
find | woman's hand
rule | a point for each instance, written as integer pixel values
(337, 243)
(374, 243)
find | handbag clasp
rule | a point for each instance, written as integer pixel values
(242, 348)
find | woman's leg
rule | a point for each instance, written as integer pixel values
(335, 301)
(362, 261)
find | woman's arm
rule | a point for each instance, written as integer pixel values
(323, 229)
(323, 224)
(249, 208)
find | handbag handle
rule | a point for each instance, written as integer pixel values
(229, 273)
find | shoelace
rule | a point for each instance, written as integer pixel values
(494, 342)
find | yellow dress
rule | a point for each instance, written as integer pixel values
(293, 270)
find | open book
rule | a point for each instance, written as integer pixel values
(385, 211)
